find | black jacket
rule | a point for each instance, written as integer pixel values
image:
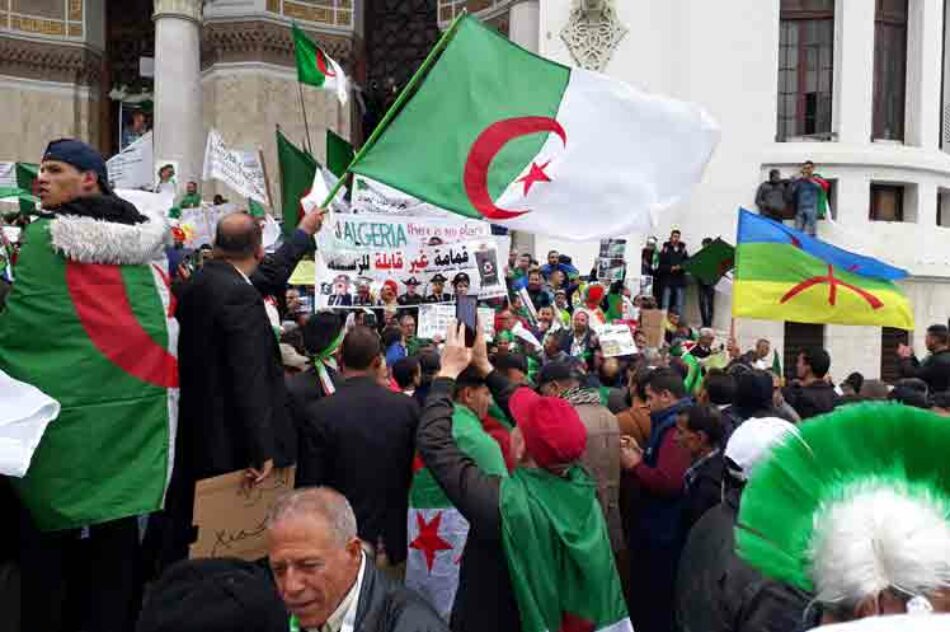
(934, 370)
(361, 442)
(673, 256)
(304, 389)
(272, 275)
(703, 489)
(232, 412)
(718, 592)
(815, 399)
(484, 600)
(385, 606)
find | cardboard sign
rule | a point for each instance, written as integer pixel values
(434, 320)
(652, 323)
(616, 340)
(231, 520)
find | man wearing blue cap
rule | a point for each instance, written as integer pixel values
(89, 322)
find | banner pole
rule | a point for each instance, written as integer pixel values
(400, 100)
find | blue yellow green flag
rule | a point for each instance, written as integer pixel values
(784, 274)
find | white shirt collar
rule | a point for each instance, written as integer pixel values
(343, 618)
(241, 272)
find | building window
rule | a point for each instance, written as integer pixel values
(890, 365)
(806, 62)
(890, 68)
(800, 336)
(887, 203)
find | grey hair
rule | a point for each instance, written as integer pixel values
(324, 502)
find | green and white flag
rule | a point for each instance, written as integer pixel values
(437, 530)
(316, 68)
(559, 558)
(90, 323)
(499, 133)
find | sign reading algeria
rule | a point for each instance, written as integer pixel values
(534, 145)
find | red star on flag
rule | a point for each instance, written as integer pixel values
(428, 540)
(535, 174)
(573, 623)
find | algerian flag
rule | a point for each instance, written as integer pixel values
(496, 132)
(437, 531)
(323, 182)
(100, 338)
(297, 169)
(316, 68)
(559, 559)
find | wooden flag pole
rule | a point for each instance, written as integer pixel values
(270, 197)
(306, 126)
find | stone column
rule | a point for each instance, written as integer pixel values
(524, 29)
(854, 71)
(177, 130)
(924, 49)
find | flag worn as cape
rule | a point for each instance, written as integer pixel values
(437, 530)
(89, 322)
(297, 169)
(555, 539)
(784, 274)
(316, 68)
(525, 142)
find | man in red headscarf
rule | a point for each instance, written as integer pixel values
(538, 554)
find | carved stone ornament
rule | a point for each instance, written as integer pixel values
(592, 33)
(189, 9)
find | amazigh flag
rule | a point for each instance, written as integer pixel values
(709, 264)
(297, 168)
(316, 68)
(784, 274)
(437, 531)
(562, 569)
(100, 339)
(497, 132)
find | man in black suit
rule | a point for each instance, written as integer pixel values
(361, 442)
(322, 336)
(231, 379)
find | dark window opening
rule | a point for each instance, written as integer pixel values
(806, 65)
(890, 69)
(887, 203)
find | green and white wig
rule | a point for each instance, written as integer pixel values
(857, 505)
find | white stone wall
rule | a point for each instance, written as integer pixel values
(699, 52)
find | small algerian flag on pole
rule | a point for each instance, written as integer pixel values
(499, 133)
(316, 68)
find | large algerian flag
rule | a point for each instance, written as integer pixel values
(101, 340)
(559, 558)
(437, 531)
(316, 68)
(495, 131)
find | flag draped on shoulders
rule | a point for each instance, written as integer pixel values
(525, 142)
(90, 322)
(555, 539)
(784, 274)
(437, 530)
(316, 68)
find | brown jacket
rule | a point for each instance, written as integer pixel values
(635, 422)
(602, 457)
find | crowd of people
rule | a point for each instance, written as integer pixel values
(594, 485)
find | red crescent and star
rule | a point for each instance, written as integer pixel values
(102, 305)
(323, 66)
(491, 141)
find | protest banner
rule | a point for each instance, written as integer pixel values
(616, 340)
(372, 196)
(652, 322)
(132, 167)
(379, 248)
(231, 519)
(240, 170)
(434, 320)
(610, 270)
(8, 175)
(198, 225)
(613, 248)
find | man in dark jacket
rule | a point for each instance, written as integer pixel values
(361, 442)
(322, 337)
(716, 591)
(935, 369)
(771, 196)
(811, 394)
(658, 470)
(326, 579)
(232, 414)
(672, 275)
(699, 430)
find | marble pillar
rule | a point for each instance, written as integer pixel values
(178, 132)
